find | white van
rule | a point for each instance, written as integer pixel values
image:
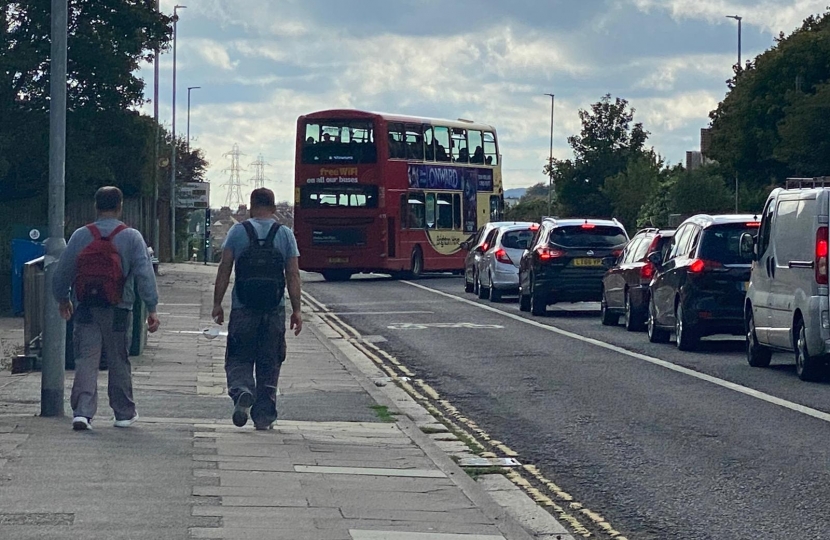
(787, 307)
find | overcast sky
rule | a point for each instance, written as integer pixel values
(262, 63)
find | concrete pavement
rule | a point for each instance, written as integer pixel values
(351, 458)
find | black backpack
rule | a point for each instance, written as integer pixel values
(260, 271)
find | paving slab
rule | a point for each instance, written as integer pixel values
(331, 470)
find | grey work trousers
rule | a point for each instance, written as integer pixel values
(102, 330)
(253, 359)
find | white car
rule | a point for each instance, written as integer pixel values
(497, 268)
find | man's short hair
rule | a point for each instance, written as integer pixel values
(108, 199)
(262, 198)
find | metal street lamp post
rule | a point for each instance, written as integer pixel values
(739, 19)
(174, 145)
(551, 187)
(157, 151)
(54, 331)
(189, 89)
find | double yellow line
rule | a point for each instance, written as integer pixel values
(529, 478)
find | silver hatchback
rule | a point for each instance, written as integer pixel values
(498, 266)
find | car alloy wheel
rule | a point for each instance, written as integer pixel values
(687, 339)
(806, 367)
(756, 354)
(495, 294)
(655, 334)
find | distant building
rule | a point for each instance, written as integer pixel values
(698, 158)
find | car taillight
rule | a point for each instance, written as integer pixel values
(502, 257)
(647, 272)
(699, 266)
(485, 246)
(588, 226)
(546, 254)
(821, 256)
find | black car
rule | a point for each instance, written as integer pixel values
(701, 283)
(567, 260)
(625, 287)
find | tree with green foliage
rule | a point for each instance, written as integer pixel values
(608, 141)
(686, 193)
(773, 122)
(626, 190)
(107, 141)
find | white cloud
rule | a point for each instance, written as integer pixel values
(773, 16)
(212, 52)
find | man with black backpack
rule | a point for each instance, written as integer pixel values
(105, 265)
(265, 255)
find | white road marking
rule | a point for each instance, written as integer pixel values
(381, 312)
(763, 396)
(424, 326)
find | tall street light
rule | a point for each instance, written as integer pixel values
(739, 19)
(157, 151)
(550, 159)
(54, 330)
(173, 156)
(189, 89)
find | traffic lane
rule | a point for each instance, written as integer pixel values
(658, 453)
(723, 357)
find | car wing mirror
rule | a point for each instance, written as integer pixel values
(655, 258)
(749, 246)
(465, 245)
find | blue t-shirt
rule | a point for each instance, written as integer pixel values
(237, 241)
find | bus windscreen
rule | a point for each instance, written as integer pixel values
(339, 141)
(338, 196)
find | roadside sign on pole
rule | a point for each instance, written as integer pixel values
(193, 195)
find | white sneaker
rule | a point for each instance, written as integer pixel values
(81, 423)
(126, 423)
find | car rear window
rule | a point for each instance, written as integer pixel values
(517, 239)
(722, 243)
(590, 236)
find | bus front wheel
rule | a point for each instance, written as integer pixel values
(417, 264)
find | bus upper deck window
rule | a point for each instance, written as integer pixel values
(442, 143)
(491, 151)
(476, 147)
(460, 153)
(429, 143)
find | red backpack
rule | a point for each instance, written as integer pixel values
(100, 277)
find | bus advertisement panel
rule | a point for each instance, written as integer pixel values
(391, 194)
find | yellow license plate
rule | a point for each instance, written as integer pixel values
(591, 263)
(338, 260)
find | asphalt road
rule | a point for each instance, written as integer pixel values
(660, 453)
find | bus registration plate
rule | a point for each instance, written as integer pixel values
(338, 260)
(591, 263)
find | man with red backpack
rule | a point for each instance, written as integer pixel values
(104, 266)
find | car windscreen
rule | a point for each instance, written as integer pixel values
(588, 236)
(722, 243)
(517, 239)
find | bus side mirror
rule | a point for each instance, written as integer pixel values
(749, 246)
(465, 245)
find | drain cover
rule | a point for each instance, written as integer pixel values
(37, 519)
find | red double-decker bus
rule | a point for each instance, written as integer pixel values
(391, 194)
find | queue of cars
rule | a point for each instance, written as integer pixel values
(761, 276)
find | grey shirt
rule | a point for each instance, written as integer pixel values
(135, 263)
(237, 240)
